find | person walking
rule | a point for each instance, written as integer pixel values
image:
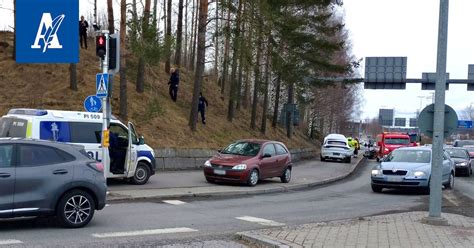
(202, 105)
(83, 25)
(174, 83)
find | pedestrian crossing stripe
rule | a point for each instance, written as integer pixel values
(102, 81)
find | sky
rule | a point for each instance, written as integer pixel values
(409, 28)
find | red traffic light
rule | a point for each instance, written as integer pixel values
(101, 40)
(100, 45)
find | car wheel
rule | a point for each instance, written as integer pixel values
(253, 178)
(286, 177)
(323, 159)
(377, 189)
(450, 183)
(75, 209)
(142, 174)
(348, 160)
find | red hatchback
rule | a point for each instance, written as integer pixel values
(247, 161)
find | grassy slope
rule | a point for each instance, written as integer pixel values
(161, 121)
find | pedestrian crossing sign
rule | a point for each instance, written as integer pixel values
(102, 84)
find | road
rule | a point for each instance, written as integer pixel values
(213, 222)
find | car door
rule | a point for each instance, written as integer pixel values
(132, 152)
(7, 180)
(447, 165)
(41, 173)
(283, 158)
(268, 165)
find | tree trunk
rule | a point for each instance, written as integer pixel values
(179, 34)
(95, 11)
(256, 87)
(185, 57)
(277, 101)
(155, 17)
(194, 44)
(168, 38)
(201, 52)
(110, 13)
(123, 60)
(216, 37)
(73, 76)
(241, 61)
(289, 114)
(263, 127)
(225, 65)
(233, 85)
(193, 27)
(164, 17)
(246, 87)
(141, 60)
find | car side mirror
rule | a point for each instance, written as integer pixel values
(267, 155)
(219, 150)
(141, 140)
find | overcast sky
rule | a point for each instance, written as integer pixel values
(410, 28)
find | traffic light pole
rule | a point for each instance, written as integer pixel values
(105, 70)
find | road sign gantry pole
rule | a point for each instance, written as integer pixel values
(105, 106)
(434, 216)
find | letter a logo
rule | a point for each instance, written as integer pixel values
(47, 32)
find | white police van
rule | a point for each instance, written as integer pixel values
(130, 157)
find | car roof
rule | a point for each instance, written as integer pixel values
(416, 148)
(258, 141)
(6, 140)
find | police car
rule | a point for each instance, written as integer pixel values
(130, 157)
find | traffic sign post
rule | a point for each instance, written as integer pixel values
(101, 82)
(92, 104)
(426, 120)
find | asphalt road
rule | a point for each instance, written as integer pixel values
(213, 222)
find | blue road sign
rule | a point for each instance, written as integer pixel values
(102, 84)
(47, 31)
(92, 104)
(464, 124)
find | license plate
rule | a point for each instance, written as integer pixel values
(336, 154)
(219, 172)
(394, 179)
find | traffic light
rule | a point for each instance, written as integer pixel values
(114, 53)
(100, 46)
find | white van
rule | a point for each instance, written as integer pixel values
(130, 157)
(335, 146)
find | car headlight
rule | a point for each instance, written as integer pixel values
(386, 150)
(207, 163)
(376, 172)
(419, 174)
(462, 164)
(240, 167)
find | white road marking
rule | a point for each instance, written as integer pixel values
(144, 232)
(260, 221)
(107, 205)
(10, 242)
(174, 202)
(452, 199)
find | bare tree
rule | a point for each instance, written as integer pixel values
(123, 61)
(263, 128)
(233, 85)
(110, 14)
(168, 38)
(225, 66)
(179, 34)
(201, 53)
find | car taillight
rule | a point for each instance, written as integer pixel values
(96, 166)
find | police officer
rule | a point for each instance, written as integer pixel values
(174, 83)
(202, 105)
(83, 25)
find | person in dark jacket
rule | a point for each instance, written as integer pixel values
(174, 83)
(202, 105)
(83, 25)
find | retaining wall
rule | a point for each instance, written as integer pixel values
(188, 159)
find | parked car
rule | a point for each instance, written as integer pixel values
(44, 178)
(462, 160)
(462, 143)
(410, 167)
(247, 161)
(335, 147)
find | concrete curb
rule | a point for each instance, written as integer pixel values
(260, 240)
(278, 189)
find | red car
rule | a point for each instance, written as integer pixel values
(247, 161)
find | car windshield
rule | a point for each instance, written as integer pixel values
(409, 156)
(462, 143)
(243, 149)
(456, 153)
(397, 141)
(469, 148)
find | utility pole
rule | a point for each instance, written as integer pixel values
(434, 216)
(105, 109)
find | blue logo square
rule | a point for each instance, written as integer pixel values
(47, 31)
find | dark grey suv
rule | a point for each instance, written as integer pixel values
(40, 178)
